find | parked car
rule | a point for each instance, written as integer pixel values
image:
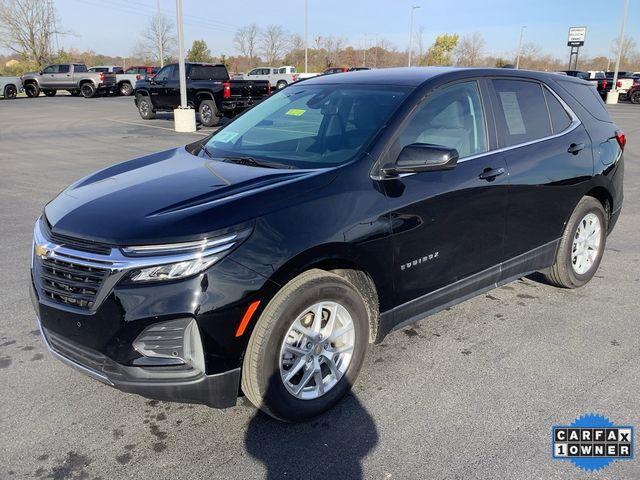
(209, 91)
(73, 77)
(10, 87)
(144, 70)
(266, 257)
(623, 83)
(332, 70)
(634, 92)
(358, 69)
(125, 82)
(278, 77)
(599, 79)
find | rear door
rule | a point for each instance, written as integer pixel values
(448, 226)
(549, 157)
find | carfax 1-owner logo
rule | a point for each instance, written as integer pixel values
(592, 442)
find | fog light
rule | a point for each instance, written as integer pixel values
(175, 342)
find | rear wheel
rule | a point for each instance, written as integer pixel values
(88, 90)
(307, 347)
(50, 93)
(281, 84)
(32, 90)
(635, 97)
(145, 108)
(208, 113)
(10, 91)
(581, 246)
(125, 89)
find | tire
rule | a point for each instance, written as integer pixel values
(635, 97)
(74, 93)
(208, 113)
(125, 89)
(50, 93)
(10, 92)
(571, 270)
(281, 84)
(268, 357)
(145, 107)
(32, 90)
(88, 90)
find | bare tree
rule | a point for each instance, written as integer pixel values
(628, 50)
(469, 51)
(246, 41)
(28, 27)
(158, 41)
(274, 41)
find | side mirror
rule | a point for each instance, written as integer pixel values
(422, 157)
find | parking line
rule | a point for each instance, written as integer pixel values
(154, 126)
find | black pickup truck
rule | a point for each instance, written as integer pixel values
(209, 90)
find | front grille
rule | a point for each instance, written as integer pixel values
(75, 243)
(82, 355)
(71, 284)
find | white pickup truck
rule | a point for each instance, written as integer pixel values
(279, 77)
(125, 82)
(10, 86)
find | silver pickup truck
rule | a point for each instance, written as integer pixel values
(73, 77)
(125, 82)
(10, 86)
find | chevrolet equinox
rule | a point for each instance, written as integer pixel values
(264, 259)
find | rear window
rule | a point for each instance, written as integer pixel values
(79, 68)
(208, 72)
(523, 110)
(588, 97)
(560, 119)
(64, 69)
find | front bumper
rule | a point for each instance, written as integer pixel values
(217, 391)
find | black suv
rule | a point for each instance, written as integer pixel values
(263, 259)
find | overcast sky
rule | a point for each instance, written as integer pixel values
(112, 26)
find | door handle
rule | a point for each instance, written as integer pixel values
(575, 148)
(489, 174)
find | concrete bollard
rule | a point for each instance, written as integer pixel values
(185, 120)
(612, 96)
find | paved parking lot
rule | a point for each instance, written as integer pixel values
(469, 393)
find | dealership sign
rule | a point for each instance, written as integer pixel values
(576, 36)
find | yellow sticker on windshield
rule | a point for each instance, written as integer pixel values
(296, 112)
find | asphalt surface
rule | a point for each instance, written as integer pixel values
(469, 393)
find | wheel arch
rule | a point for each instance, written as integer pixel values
(604, 197)
(203, 95)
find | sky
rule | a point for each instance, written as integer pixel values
(112, 27)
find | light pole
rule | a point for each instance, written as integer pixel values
(413, 9)
(159, 32)
(184, 117)
(620, 45)
(306, 35)
(520, 47)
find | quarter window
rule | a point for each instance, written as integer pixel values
(452, 117)
(560, 119)
(522, 111)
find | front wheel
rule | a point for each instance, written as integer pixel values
(32, 90)
(281, 84)
(581, 246)
(88, 90)
(145, 108)
(50, 93)
(635, 97)
(125, 89)
(307, 347)
(208, 113)
(10, 92)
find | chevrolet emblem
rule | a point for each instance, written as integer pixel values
(41, 251)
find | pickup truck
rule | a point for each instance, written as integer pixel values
(209, 91)
(279, 77)
(624, 83)
(125, 82)
(73, 77)
(10, 86)
(633, 94)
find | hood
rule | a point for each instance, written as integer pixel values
(173, 196)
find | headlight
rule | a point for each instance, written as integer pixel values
(180, 260)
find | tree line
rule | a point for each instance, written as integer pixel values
(29, 30)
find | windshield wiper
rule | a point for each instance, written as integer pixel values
(252, 162)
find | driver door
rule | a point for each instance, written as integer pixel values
(448, 226)
(158, 87)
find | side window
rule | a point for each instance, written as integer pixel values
(164, 74)
(253, 72)
(51, 69)
(560, 119)
(522, 111)
(77, 68)
(282, 70)
(452, 117)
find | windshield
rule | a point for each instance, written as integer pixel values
(311, 126)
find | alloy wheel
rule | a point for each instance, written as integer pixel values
(586, 243)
